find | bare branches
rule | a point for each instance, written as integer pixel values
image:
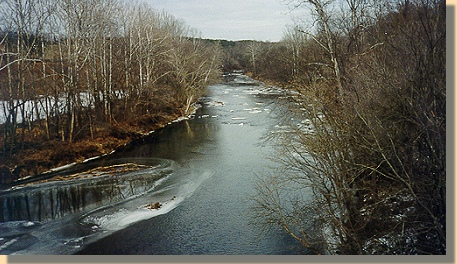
(375, 162)
(85, 64)
(16, 61)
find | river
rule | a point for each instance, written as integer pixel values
(201, 172)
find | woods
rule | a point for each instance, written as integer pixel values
(371, 148)
(76, 69)
(363, 158)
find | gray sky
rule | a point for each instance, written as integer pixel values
(263, 20)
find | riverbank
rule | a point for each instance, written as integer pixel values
(40, 156)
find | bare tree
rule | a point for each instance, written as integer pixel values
(253, 52)
(365, 172)
(89, 67)
(193, 67)
(295, 41)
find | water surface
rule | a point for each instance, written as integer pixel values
(202, 171)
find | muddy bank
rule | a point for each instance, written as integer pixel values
(38, 159)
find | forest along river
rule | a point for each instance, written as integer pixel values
(185, 189)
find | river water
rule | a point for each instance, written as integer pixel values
(201, 171)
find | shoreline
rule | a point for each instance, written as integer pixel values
(131, 139)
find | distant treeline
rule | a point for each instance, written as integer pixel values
(370, 78)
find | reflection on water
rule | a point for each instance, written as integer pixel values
(176, 142)
(201, 171)
(55, 199)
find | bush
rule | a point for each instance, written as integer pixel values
(374, 159)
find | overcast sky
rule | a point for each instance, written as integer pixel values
(263, 20)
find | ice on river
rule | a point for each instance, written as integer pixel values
(66, 236)
(247, 106)
(15, 235)
(121, 218)
(169, 195)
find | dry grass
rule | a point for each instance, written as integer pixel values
(39, 154)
